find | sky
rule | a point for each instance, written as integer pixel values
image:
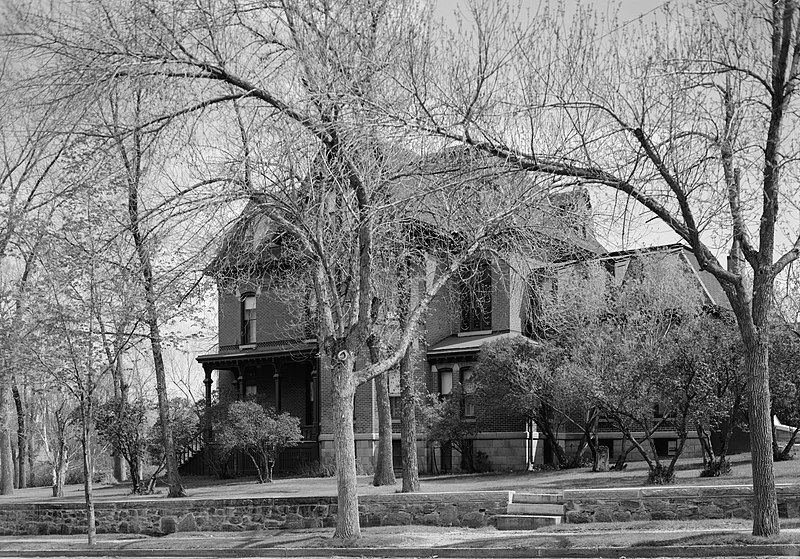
(628, 9)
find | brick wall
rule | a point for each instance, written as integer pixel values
(225, 385)
(276, 317)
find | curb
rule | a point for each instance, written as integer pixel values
(788, 550)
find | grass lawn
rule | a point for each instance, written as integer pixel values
(635, 475)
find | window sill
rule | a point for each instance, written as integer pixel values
(474, 333)
(247, 346)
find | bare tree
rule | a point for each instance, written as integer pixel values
(32, 142)
(325, 170)
(690, 116)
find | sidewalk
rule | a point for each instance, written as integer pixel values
(633, 539)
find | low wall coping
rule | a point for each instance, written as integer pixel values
(672, 492)
(189, 502)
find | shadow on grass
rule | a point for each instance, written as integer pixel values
(720, 538)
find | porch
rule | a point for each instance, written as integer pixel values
(284, 378)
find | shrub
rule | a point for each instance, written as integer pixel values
(717, 468)
(481, 462)
(661, 474)
(260, 433)
(316, 468)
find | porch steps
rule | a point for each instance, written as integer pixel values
(535, 508)
(529, 511)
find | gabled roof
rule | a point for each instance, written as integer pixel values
(708, 283)
(462, 345)
(562, 221)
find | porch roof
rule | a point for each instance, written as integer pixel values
(259, 353)
(466, 344)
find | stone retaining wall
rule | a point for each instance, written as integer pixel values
(671, 503)
(162, 516)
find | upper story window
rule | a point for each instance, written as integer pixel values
(249, 318)
(445, 381)
(476, 298)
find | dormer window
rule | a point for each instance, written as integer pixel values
(476, 298)
(249, 318)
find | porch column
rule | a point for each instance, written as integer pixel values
(207, 419)
(314, 393)
(277, 378)
(240, 381)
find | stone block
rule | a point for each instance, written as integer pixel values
(525, 522)
(448, 516)
(578, 517)
(710, 511)
(168, 525)
(741, 512)
(603, 515)
(430, 519)
(621, 516)
(187, 524)
(474, 520)
(294, 521)
(658, 505)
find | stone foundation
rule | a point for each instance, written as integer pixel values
(473, 509)
(671, 503)
(507, 451)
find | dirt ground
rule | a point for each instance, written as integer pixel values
(635, 475)
(631, 534)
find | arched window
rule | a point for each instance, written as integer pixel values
(249, 318)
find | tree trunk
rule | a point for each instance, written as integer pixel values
(347, 521)
(775, 449)
(6, 456)
(22, 439)
(384, 467)
(542, 421)
(624, 450)
(590, 432)
(88, 490)
(135, 466)
(121, 396)
(704, 438)
(146, 270)
(765, 498)
(259, 472)
(173, 477)
(60, 467)
(408, 425)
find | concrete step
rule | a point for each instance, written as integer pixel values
(546, 509)
(555, 498)
(525, 521)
